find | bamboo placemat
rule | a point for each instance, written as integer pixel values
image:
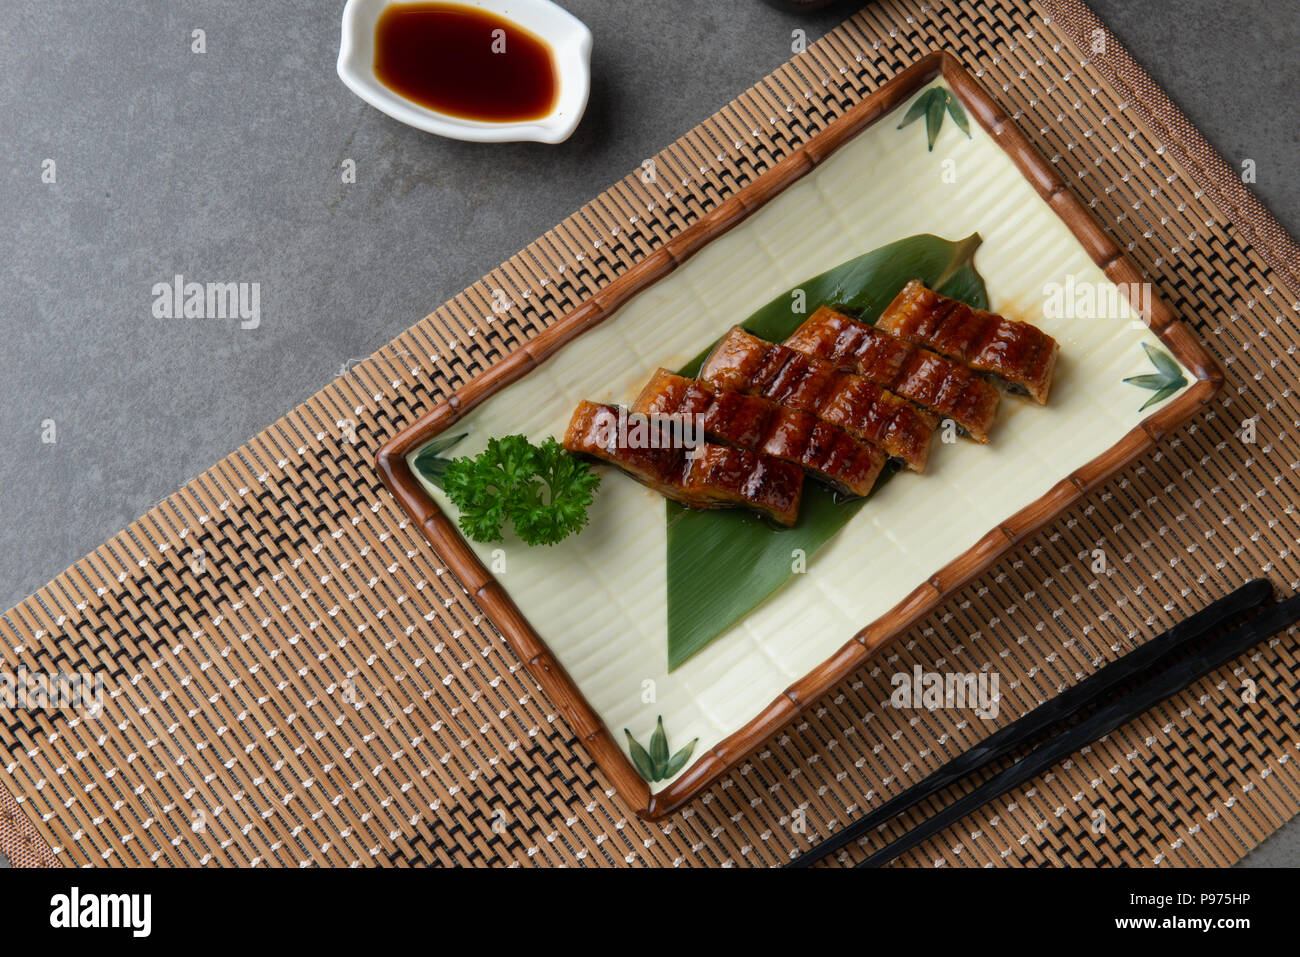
(291, 677)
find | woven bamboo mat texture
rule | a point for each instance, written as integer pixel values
(292, 678)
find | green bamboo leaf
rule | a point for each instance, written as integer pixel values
(1163, 361)
(639, 758)
(918, 108)
(722, 563)
(957, 113)
(934, 118)
(659, 749)
(1150, 381)
(430, 463)
(1164, 393)
(679, 760)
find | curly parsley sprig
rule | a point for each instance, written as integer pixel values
(543, 490)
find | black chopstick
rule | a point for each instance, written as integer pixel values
(1063, 706)
(1123, 709)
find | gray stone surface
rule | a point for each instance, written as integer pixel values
(224, 165)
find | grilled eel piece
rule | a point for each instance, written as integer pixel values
(745, 363)
(934, 382)
(706, 476)
(1021, 355)
(751, 422)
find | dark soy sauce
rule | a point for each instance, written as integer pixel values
(465, 62)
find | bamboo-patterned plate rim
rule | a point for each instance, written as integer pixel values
(444, 536)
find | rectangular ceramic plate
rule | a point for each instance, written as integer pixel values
(587, 615)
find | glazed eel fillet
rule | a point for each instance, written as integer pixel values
(751, 422)
(1021, 355)
(934, 382)
(745, 363)
(706, 476)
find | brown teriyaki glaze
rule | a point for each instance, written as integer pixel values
(742, 362)
(710, 476)
(934, 382)
(752, 422)
(1021, 355)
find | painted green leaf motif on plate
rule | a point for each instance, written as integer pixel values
(931, 104)
(655, 764)
(933, 120)
(1164, 383)
(723, 563)
(430, 462)
(958, 114)
(644, 766)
